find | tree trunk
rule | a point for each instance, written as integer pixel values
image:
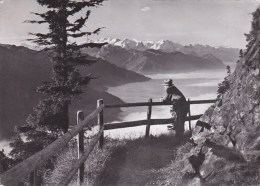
(65, 118)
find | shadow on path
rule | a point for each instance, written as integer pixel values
(138, 162)
(110, 174)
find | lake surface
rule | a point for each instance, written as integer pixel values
(196, 85)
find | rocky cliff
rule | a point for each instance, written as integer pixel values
(225, 148)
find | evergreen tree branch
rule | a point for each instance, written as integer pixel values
(79, 23)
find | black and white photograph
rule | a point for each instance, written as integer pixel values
(129, 92)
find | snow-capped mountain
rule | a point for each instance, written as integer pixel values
(125, 43)
(223, 53)
(165, 46)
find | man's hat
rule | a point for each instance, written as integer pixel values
(167, 82)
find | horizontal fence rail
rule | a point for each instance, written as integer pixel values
(145, 122)
(202, 101)
(18, 172)
(140, 104)
(148, 122)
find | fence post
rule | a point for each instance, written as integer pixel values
(100, 122)
(80, 118)
(189, 117)
(149, 113)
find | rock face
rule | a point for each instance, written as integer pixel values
(226, 140)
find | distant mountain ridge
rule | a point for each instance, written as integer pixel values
(223, 53)
(152, 60)
(23, 69)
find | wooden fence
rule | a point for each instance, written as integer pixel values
(14, 176)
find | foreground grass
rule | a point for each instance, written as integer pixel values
(93, 165)
(139, 162)
(122, 162)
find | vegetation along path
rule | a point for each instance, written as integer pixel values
(139, 162)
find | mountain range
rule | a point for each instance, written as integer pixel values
(163, 56)
(23, 69)
(150, 61)
(225, 54)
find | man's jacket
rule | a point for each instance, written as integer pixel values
(174, 96)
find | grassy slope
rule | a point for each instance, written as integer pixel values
(124, 162)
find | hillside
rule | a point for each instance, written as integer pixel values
(226, 140)
(109, 75)
(154, 61)
(22, 70)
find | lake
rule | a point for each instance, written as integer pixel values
(194, 85)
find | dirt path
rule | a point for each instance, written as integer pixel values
(138, 162)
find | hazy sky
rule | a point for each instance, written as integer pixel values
(212, 22)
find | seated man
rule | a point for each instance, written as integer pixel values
(180, 106)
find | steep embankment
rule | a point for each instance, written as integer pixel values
(22, 70)
(226, 148)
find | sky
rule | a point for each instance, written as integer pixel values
(208, 22)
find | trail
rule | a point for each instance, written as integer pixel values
(138, 162)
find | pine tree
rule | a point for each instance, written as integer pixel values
(66, 56)
(241, 53)
(252, 36)
(50, 117)
(224, 85)
(5, 162)
(228, 70)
